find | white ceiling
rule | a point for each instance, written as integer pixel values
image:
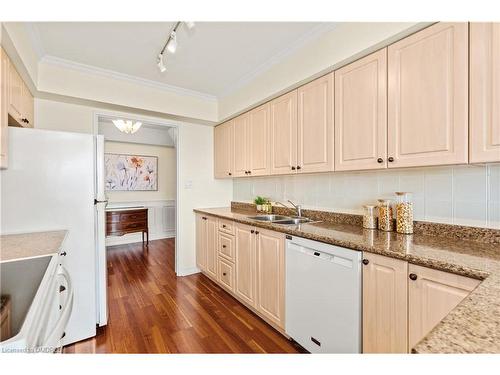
(214, 58)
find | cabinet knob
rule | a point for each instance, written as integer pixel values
(249, 172)
(224, 274)
(380, 160)
(229, 173)
(256, 232)
(365, 261)
(252, 231)
(62, 288)
(391, 159)
(293, 168)
(223, 225)
(223, 246)
(63, 254)
(413, 276)
(299, 167)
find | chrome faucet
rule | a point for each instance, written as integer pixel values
(298, 208)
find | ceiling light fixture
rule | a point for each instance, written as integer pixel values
(127, 126)
(171, 44)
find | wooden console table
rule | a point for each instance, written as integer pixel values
(120, 221)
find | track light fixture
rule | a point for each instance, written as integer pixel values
(171, 44)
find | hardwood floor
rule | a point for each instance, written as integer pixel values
(153, 311)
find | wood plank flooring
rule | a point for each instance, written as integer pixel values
(153, 311)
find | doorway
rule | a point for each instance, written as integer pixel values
(137, 174)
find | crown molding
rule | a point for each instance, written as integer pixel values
(36, 40)
(280, 56)
(90, 69)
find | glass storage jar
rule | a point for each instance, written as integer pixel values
(404, 213)
(369, 217)
(385, 216)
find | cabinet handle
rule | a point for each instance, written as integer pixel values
(413, 276)
(249, 172)
(293, 168)
(62, 288)
(380, 160)
(365, 261)
(252, 231)
(224, 274)
(391, 159)
(63, 254)
(298, 167)
(223, 225)
(256, 232)
(223, 246)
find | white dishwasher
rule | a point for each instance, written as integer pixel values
(323, 296)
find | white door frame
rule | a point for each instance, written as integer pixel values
(153, 121)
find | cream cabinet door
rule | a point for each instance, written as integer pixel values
(361, 114)
(432, 295)
(270, 250)
(201, 242)
(385, 314)
(223, 150)
(246, 281)
(211, 246)
(428, 97)
(315, 126)
(241, 149)
(15, 94)
(284, 134)
(484, 92)
(4, 131)
(27, 107)
(259, 142)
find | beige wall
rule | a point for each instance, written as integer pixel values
(334, 48)
(166, 172)
(54, 115)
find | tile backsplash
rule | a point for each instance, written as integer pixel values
(464, 195)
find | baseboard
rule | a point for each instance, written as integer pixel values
(188, 271)
(136, 237)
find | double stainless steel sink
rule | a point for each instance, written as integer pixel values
(280, 219)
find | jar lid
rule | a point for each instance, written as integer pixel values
(384, 201)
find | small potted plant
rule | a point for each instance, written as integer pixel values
(259, 201)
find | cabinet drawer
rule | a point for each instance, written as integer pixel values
(226, 246)
(226, 226)
(226, 274)
(114, 217)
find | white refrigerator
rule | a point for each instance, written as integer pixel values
(55, 180)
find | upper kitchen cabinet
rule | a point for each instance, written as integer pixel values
(315, 126)
(284, 134)
(484, 92)
(428, 97)
(258, 138)
(20, 102)
(241, 131)
(361, 114)
(223, 150)
(4, 132)
(251, 143)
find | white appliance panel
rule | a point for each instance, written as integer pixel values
(50, 186)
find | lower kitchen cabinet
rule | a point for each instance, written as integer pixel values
(432, 295)
(246, 270)
(403, 302)
(206, 244)
(270, 250)
(385, 314)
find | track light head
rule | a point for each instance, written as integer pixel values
(172, 43)
(161, 65)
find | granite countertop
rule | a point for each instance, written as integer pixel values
(30, 245)
(473, 326)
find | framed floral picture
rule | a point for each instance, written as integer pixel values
(131, 172)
